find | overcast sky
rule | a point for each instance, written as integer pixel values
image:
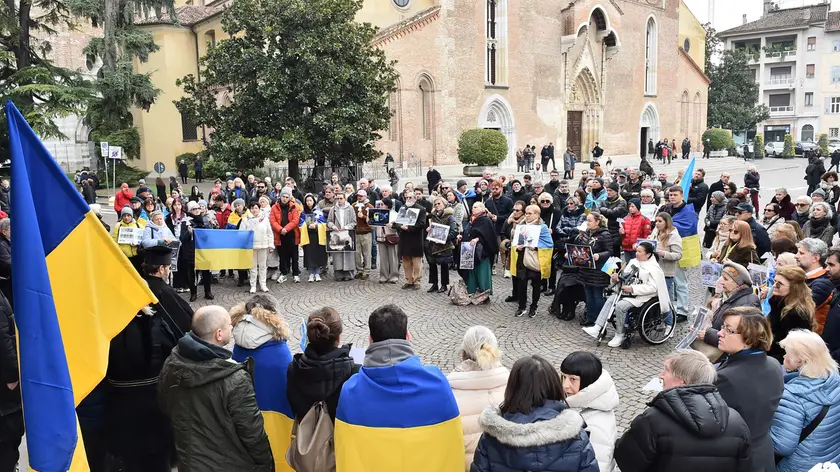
(728, 13)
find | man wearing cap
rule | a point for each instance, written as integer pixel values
(744, 212)
(614, 208)
(810, 255)
(364, 236)
(518, 193)
(138, 432)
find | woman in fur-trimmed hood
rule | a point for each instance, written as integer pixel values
(260, 332)
(533, 429)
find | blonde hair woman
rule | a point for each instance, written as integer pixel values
(813, 391)
(479, 381)
(740, 248)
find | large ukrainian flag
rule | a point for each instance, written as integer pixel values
(686, 223)
(400, 418)
(220, 250)
(74, 290)
(545, 249)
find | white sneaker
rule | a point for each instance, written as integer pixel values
(495, 271)
(264, 288)
(275, 276)
(253, 290)
(311, 278)
(317, 277)
(616, 341)
(281, 279)
(507, 274)
(593, 331)
(297, 279)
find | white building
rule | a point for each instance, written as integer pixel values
(787, 49)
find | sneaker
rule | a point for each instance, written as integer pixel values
(616, 341)
(297, 279)
(519, 312)
(253, 290)
(532, 312)
(311, 278)
(593, 331)
(275, 276)
(281, 279)
(432, 289)
(495, 272)
(671, 334)
(264, 288)
(317, 278)
(507, 274)
(209, 296)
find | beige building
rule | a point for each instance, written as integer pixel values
(618, 72)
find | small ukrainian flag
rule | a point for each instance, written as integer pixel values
(220, 250)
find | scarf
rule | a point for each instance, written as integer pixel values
(818, 225)
(651, 268)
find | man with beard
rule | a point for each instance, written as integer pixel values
(786, 207)
(499, 208)
(803, 210)
(614, 208)
(552, 184)
(831, 330)
(411, 243)
(685, 221)
(526, 184)
(518, 193)
(560, 195)
(550, 214)
(138, 432)
(633, 187)
(698, 192)
(663, 179)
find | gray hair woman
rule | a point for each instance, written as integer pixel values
(156, 232)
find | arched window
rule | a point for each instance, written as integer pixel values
(496, 42)
(651, 56)
(426, 109)
(394, 109)
(698, 112)
(684, 113)
(807, 133)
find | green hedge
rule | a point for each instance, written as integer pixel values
(719, 138)
(823, 143)
(758, 142)
(483, 147)
(788, 152)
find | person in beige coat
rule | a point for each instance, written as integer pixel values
(479, 381)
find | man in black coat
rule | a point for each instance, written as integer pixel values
(183, 171)
(835, 160)
(138, 431)
(499, 208)
(717, 186)
(813, 173)
(831, 329)
(613, 208)
(744, 212)
(687, 427)
(432, 177)
(597, 151)
(551, 157)
(11, 414)
(686, 148)
(698, 192)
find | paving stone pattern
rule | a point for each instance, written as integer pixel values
(437, 327)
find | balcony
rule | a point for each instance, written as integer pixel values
(781, 55)
(779, 81)
(781, 111)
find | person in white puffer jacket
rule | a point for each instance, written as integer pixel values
(258, 222)
(590, 390)
(479, 381)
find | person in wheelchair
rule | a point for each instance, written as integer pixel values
(639, 281)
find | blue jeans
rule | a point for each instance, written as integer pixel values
(681, 289)
(594, 302)
(672, 296)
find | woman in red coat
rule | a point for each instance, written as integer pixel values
(635, 226)
(284, 219)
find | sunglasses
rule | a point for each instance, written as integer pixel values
(801, 204)
(769, 210)
(545, 201)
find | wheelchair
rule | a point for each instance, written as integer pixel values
(648, 320)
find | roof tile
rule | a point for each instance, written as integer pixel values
(800, 17)
(187, 15)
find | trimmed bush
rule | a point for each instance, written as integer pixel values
(788, 152)
(216, 169)
(482, 147)
(720, 139)
(758, 142)
(822, 140)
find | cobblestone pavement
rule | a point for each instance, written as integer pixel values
(437, 327)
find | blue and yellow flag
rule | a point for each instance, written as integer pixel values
(686, 223)
(685, 183)
(271, 362)
(545, 249)
(74, 290)
(220, 250)
(398, 418)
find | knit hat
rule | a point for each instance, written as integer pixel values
(286, 191)
(126, 211)
(637, 202)
(239, 201)
(461, 183)
(600, 181)
(737, 273)
(192, 206)
(613, 186)
(135, 200)
(720, 196)
(202, 202)
(819, 192)
(143, 189)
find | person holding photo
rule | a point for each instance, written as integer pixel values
(598, 238)
(440, 254)
(481, 231)
(342, 218)
(412, 241)
(387, 239)
(517, 217)
(531, 263)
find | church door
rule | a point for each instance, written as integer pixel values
(574, 131)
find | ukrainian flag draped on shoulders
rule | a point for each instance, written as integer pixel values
(545, 249)
(74, 290)
(399, 417)
(685, 220)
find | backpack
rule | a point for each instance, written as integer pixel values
(312, 448)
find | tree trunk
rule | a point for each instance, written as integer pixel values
(109, 27)
(294, 169)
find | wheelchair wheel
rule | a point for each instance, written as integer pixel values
(652, 327)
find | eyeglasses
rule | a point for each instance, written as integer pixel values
(801, 204)
(769, 210)
(517, 210)
(728, 331)
(545, 201)
(779, 284)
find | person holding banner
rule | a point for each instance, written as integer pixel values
(257, 222)
(440, 255)
(531, 263)
(130, 249)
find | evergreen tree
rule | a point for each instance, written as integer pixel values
(733, 94)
